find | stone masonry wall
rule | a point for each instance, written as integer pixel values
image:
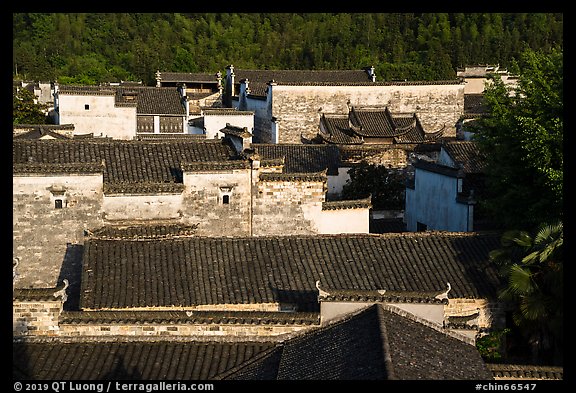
(287, 207)
(36, 318)
(297, 108)
(46, 238)
(204, 202)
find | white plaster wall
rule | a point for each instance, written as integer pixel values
(344, 221)
(142, 207)
(102, 119)
(430, 312)
(214, 123)
(433, 202)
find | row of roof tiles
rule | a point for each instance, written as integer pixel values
(190, 271)
(376, 343)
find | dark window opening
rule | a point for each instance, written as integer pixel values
(58, 203)
(226, 199)
(87, 106)
(421, 227)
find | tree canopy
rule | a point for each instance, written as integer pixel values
(104, 47)
(523, 140)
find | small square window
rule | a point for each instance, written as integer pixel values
(58, 203)
(226, 199)
(87, 106)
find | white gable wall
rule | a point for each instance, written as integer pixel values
(102, 118)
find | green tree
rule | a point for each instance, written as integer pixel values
(523, 141)
(532, 267)
(386, 186)
(24, 110)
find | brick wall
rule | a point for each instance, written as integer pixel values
(36, 318)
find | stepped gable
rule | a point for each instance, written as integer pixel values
(191, 271)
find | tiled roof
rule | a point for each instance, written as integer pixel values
(377, 343)
(148, 100)
(301, 158)
(225, 112)
(338, 130)
(135, 360)
(302, 76)
(467, 154)
(240, 132)
(194, 77)
(38, 294)
(258, 79)
(364, 123)
(191, 317)
(523, 372)
(364, 203)
(142, 232)
(474, 104)
(203, 271)
(127, 164)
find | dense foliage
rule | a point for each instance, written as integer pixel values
(98, 47)
(532, 267)
(385, 186)
(523, 140)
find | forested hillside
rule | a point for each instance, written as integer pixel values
(99, 47)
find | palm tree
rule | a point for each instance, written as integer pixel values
(532, 267)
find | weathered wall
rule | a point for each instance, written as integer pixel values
(119, 207)
(204, 197)
(297, 108)
(337, 182)
(284, 207)
(102, 117)
(492, 315)
(36, 318)
(42, 234)
(433, 202)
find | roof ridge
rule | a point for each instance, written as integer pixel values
(385, 343)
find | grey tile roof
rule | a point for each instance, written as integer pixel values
(194, 317)
(467, 154)
(378, 343)
(189, 77)
(301, 158)
(193, 271)
(148, 100)
(364, 123)
(521, 372)
(131, 165)
(135, 360)
(338, 131)
(258, 79)
(474, 104)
